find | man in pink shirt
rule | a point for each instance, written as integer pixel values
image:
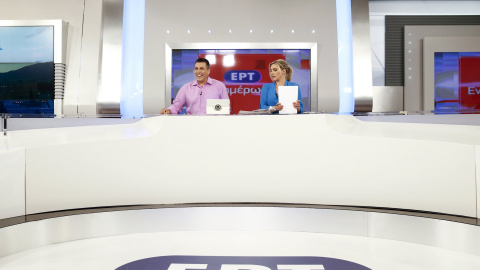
(196, 93)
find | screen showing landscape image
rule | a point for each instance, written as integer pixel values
(26, 70)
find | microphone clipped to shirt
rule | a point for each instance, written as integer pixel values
(201, 93)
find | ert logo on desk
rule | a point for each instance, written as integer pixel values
(241, 263)
(242, 76)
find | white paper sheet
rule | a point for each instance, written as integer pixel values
(287, 95)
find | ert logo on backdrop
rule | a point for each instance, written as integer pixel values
(242, 76)
(240, 263)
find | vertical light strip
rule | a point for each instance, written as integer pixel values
(131, 104)
(345, 56)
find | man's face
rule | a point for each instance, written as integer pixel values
(201, 72)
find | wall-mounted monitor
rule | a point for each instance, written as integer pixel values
(441, 70)
(243, 68)
(32, 66)
(457, 81)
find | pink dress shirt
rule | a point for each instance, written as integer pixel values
(196, 97)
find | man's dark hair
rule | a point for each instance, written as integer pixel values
(203, 60)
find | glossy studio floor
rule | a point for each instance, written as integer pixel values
(253, 236)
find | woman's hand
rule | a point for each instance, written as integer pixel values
(296, 105)
(278, 107)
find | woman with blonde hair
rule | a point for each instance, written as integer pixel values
(280, 74)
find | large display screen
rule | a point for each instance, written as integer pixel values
(26, 69)
(243, 72)
(457, 81)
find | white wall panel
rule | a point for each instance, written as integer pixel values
(312, 159)
(90, 64)
(12, 183)
(219, 16)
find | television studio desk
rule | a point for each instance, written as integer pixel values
(213, 172)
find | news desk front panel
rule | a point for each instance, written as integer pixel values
(314, 159)
(12, 183)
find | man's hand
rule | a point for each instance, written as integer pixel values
(165, 111)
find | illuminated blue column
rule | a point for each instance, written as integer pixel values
(345, 56)
(131, 104)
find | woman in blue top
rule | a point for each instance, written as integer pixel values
(280, 73)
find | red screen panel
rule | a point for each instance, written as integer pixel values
(469, 82)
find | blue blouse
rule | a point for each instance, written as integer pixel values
(269, 96)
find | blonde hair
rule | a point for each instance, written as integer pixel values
(282, 64)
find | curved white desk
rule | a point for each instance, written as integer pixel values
(304, 159)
